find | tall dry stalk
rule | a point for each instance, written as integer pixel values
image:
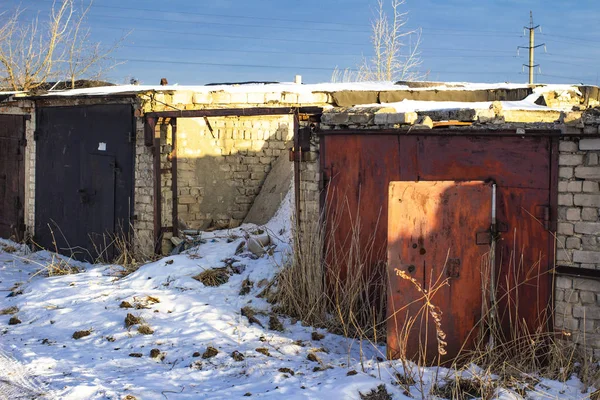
(334, 281)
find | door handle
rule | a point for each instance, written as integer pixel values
(85, 196)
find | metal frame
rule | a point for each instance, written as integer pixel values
(152, 139)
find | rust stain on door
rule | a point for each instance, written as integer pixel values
(434, 266)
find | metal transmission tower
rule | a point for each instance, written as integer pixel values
(531, 28)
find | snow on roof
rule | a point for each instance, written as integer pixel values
(294, 88)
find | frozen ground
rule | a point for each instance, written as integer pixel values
(40, 358)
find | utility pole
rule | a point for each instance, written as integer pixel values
(531, 47)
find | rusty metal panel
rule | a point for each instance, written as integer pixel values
(524, 259)
(510, 162)
(84, 157)
(357, 168)
(12, 176)
(434, 267)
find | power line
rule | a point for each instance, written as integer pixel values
(186, 13)
(260, 51)
(571, 38)
(429, 31)
(229, 36)
(139, 60)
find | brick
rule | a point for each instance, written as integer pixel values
(565, 199)
(571, 323)
(573, 214)
(590, 187)
(570, 160)
(587, 200)
(573, 243)
(592, 159)
(565, 172)
(589, 214)
(587, 297)
(575, 186)
(563, 308)
(563, 186)
(567, 146)
(587, 173)
(589, 144)
(564, 256)
(586, 312)
(587, 228)
(590, 285)
(590, 257)
(565, 228)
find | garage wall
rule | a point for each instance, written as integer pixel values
(578, 238)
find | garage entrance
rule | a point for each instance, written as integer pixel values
(84, 177)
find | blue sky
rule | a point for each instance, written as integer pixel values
(272, 40)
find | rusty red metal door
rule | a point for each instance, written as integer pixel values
(434, 266)
(357, 167)
(12, 176)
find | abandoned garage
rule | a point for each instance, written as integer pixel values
(438, 173)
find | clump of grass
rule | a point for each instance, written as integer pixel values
(210, 352)
(125, 249)
(264, 350)
(247, 285)
(145, 330)
(59, 267)
(380, 393)
(286, 370)
(14, 321)
(313, 357)
(131, 320)
(9, 249)
(237, 356)
(125, 304)
(157, 354)
(250, 313)
(81, 334)
(464, 389)
(316, 336)
(9, 310)
(275, 324)
(213, 277)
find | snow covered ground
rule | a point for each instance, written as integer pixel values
(40, 357)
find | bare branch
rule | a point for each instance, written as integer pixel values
(393, 59)
(33, 53)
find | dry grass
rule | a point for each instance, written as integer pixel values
(145, 330)
(315, 288)
(309, 289)
(380, 393)
(213, 277)
(124, 249)
(82, 334)
(131, 320)
(9, 310)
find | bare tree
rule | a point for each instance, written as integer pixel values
(37, 52)
(85, 57)
(396, 50)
